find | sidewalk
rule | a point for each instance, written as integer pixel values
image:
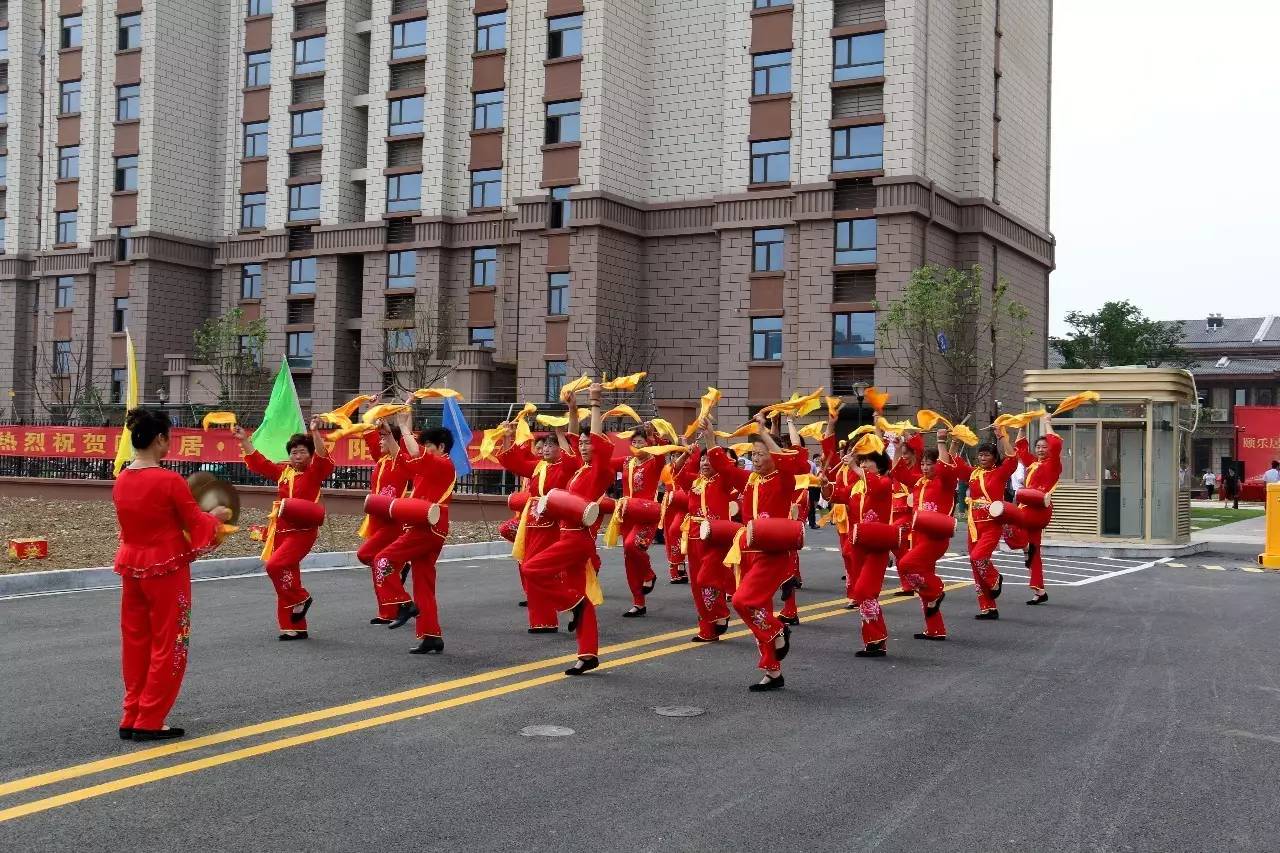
(1250, 532)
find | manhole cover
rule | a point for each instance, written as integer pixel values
(546, 731)
(679, 711)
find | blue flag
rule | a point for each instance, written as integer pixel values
(456, 424)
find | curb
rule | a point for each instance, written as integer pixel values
(74, 580)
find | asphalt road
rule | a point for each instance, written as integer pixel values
(1139, 711)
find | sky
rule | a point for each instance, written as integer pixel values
(1166, 157)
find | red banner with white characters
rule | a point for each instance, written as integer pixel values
(1257, 439)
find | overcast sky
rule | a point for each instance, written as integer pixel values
(1166, 156)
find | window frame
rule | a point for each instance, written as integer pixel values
(762, 337)
(264, 136)
(254, 8)
(303, 61)
(300, 120)
(486, 30)
(401, 49)
(864, 348)
(397, 275)
(67, 227)
(403, 127)
(253, 348)
(119, 314)
(298, 195)
(563, 121)
(125, 103)
(61, 358)
(490, 343)
(64, 292)
(258, 208)
(250, 282)
(846, 44)
(295, 354)
(559, 207)
(487, 109)
(63, 97)
(771, 78)
(767, 161)
(4, 170)
(486, 266)
(853, 251)
(853, 159)
(299, 269)
(128, 25)
(119, 382)
(402, 339)
(69, 166)
(73, 36)
(124, 242)
(555, 379)
(123, 171)
(558, 34)
(485, 187)
(771, 4)
(558, 293)
(774, 256)
(397, 200)
(257, 71)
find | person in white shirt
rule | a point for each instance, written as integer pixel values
(1209, 480)
(1273, 473)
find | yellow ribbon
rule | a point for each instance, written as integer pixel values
(220, 418)
(522, 531)
(614, 530)
(624, 383)
(269, 541)
(684, 533)
(436, 393)
(594, 593)
(734, 556)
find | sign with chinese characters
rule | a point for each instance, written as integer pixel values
(1257, 438)
(28, 549)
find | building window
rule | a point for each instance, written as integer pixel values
(64, 293)
(250, 346)
(257, 71)
(564, 36)
(767, 248)
(563, 122)
(402, 268)
(255, 139)
(4, 43)
(491, 31)
(66, 228)
(853, 335)
(859, 57)
(69, 97)
(4, 169)
(482, 336)
(766, 339)
(4, 233)
(251, 281)
(409, 38)
(130, 31)
(253, 210)
(119, 379)
(771, 73)
(484, 266)
(304, 202)
(308, 55)
(302, 275)
(559, 208)
(1241, 397)
(306, 128)
(406, 116)
(486, 188)
(301, 348)
(126, 173)
(4, 106)
(557, 294)
(119, 313)
(770, 4)
(856, 241)
(487, 110)
(771, 161)
(557, 372)
(404, 192)
(127, 98)
(259, 7)
(68, 162)
(61, 358)
(857, 149)
(400, 340)
(70, 31)
(124, 243)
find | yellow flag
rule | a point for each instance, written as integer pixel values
(524, 434)
(814, 431)
(876, 399)
(489, 444)
(705, 405)
(862, 430)
(582, 383)
(124, 453)
(664, 428)
(928, 419)
(743, 448)
(218, 419)
(869, 443)
(623, 411)
(436, 393)
(750, 428)
(1075, 401)
(384, 410)
(965, 435)
(833, 406)
(624, 383)
(662, 449)
(561, 421)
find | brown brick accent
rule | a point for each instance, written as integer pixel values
(128, 67)
(771, 30)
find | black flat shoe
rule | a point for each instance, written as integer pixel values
(404, 613)
(873, 650)
(158, 734)
(788, 588)
(583, 665)
(786, 644)
(635, 611)
(546, 630)
(679, 580)
(932, 609)
(577, 614)
(851, 606)
(378, 620)
(789, 620)
(698, 638)
(904, 593)
(999, 587)
(301, 615)
(648, 586)
(292, 635)
(126, 733)
(720, 629)
(428, 646)
(522, 604)
(937, 638)
(769, 683)
(991, 614)
(1042, 598)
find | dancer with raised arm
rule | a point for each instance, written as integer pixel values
(986, 485)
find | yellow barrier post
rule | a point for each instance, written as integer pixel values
(1270, 557)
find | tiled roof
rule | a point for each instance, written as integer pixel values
(1235, 332)
(1237, 367)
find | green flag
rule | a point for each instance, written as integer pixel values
(282, 418)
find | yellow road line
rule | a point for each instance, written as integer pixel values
(136, 780)
(372, 703)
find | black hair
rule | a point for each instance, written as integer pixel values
(145, 425)
(931, 454)
(731, 453)
(881, 460)
(395, 432)
(988, 447)
(1275, 463)
(759, 439)
(300, 439)
(438, 436)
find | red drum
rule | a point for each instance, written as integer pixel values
(415, 513)
(679, 501)
(640, 511)
(935, 525)
(718, 534)
(517, 500)
(508, 529)
(607, 504)
(567, 507)
(1033, 498)
(299, 514)
(379, 506)
(775, 535)
(1026, 517)
(876, 536)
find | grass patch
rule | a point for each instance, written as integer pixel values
(1203, 519)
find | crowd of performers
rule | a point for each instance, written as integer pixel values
(733, 525)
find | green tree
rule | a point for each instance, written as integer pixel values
(1119, 333)
(956, 336)
(232, 348)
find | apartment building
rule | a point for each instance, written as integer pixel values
(512, 192)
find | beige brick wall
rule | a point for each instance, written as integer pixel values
(681, 314)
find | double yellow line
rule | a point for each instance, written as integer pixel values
(133, 758)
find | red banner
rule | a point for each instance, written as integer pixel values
(1257, 439)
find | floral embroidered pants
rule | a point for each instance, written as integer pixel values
(762, 574)
(863, 587)
(387, 586)
(709, 581)
(420, 548)
(919, 569)
(985, 575)
(155, 629)
(558, 575)
(635, 557)
(284, 567)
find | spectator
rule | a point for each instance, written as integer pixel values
(1230, 488)
(1209, 481)
(1273, 473)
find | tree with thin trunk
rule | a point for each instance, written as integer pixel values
(66, 388)
(418, 349)
(232, 348)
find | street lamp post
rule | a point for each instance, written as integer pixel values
(860, 392)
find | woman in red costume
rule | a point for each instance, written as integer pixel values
(905, 472)
(641, 474)
(1043, 471)
(987, 484)
(391, 477)
(161, 531)
(934, 491)
(300, 478)
(710, 580)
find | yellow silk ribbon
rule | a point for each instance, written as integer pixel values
(269, 544)
(734, 556)
(594, 593)
(522, 531)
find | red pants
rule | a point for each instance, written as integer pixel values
(675, 559)
(846, 556)
(762, 574)
(709, 581)
(635, 556)
(903, 522)
(1035, 562)
(284, 567)
(985, 575)
(155, 630)
(919, 570)
(389, 593)
(1015, 537)
(558, 576)
(420, 548)
(863, 587)
(537, 540)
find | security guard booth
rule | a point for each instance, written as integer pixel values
(1121, 456)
